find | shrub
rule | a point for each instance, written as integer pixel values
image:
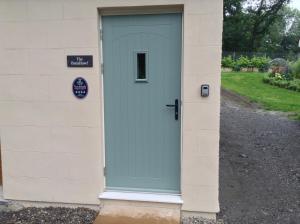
(244, 62)
(262, 63)
(228, 62)
(294, 85)
(266, 78)
(236, 67)
(296, 69)
(282, 83)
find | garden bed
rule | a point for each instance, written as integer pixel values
(245, 64)
(284, 75)
(283, 83)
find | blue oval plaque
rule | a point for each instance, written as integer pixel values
(80, 88)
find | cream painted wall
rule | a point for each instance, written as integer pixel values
(51, 143)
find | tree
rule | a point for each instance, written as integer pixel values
(234, 27)
(292, 36)
(283, 36)
(247, 22)
(263, 14)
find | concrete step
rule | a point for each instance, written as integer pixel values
(116, 212)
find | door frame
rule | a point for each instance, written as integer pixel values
(138, 10)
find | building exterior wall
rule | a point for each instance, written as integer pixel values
(52, 143)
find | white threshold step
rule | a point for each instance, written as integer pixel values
(145, 197)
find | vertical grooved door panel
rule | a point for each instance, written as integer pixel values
(142, 67)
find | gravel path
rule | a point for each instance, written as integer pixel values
(259, 165)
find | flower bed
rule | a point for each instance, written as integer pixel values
(284, 75)
(280, 81)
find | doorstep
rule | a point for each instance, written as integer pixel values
(137, 208)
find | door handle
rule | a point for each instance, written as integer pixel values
(176, 105)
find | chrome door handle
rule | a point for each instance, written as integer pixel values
(176, 108)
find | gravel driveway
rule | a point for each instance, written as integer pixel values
(259, 172)
(259, 165)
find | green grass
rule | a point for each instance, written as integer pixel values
(270, 97)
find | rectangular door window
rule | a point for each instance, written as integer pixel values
(141, 66)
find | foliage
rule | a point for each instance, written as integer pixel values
(296, 69)
(261, 63)
(234, 26)
(294, 85)
(228, 62)
(280, 81)
(262, 14)
(283, 36)
(261, 26)
(271, 97)
(245, 62)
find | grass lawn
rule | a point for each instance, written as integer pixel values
(270, 97)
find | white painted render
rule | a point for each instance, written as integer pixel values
(52, 143)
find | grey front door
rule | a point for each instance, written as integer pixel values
(142, 67)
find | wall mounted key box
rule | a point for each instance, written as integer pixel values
(205, 90)
(143, 139)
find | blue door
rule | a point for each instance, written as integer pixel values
(142, 67)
